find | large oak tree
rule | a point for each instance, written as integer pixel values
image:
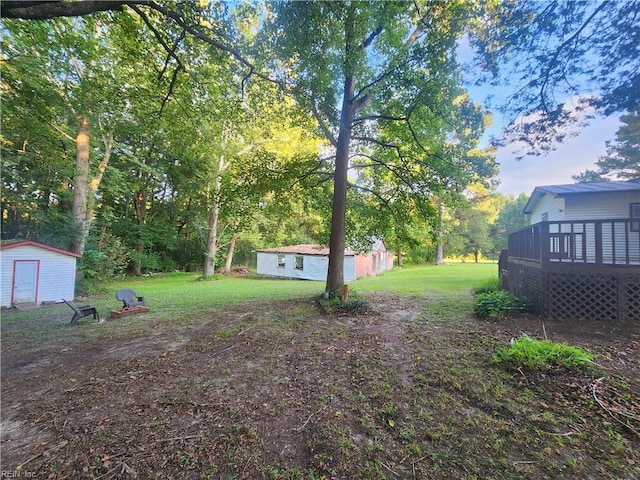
(382, 80)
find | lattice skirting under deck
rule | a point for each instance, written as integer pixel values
(582, 297)
(574, 296)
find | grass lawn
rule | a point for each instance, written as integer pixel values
(185, 291)
(170, 295)
(244, 378)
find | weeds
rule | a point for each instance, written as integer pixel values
(543, 354)
(499, 304)
(493, 284)
(355, 305)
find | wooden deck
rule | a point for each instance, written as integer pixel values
(577, 269)
(585, 242)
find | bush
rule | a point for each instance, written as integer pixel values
(353, 305)
(543, 354)
(499, 304)
(104, 257)
(491, 285)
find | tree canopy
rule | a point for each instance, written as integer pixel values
(564, 62)
(189, 119)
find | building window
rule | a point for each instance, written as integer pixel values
(545, 217)
(635, 217)
(299, 262)
(281, 261)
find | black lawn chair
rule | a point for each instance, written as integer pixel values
(129, 298)
(81, 312)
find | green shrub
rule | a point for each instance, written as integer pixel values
(543, 354)
(499, 304)
(354, 304)
(104, 257)
(490, 285)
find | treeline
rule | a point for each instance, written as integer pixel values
(159, 136)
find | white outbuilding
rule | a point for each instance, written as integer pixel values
(311, 262)
(32, 273)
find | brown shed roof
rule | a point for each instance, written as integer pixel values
(19, 243)
(304, 249)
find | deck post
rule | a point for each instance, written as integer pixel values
(545, 243)
(598, 242)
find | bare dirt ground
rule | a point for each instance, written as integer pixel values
(287, 390)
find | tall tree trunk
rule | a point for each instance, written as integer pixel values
(439, 250)
(439, 245)
(400, 258)
(85, 188)
(81, 186)
(230, 250)
(141, 215)
(212, 239)
(335, 274)
(95, 184)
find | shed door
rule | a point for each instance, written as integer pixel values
(25, 281)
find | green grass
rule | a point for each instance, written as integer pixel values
(448, 280)
(186, 301)
(543, 354)
(182, 291)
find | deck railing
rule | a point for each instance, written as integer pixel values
(592, 242)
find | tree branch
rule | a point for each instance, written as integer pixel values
(44, 10)
(390, 118)
(323, 126)
(372, 36)
(171, 52)
(552, 63)
(383, 76)
(384, 201)
(174, 78)
(207, 39)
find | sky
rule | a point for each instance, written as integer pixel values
(571, 157)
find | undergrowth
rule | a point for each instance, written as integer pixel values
(354, 304)
(493, 284)
(499, 304)
(543, 354)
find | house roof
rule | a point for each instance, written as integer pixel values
(20, 243)
(578, 188)
(304, 249)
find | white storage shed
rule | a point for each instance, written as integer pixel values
(311, 262)
(32, 273)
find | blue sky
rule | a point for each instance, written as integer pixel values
(571, 157)
(575, 155)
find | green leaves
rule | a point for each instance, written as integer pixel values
(499, 304)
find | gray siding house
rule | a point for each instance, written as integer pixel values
(580, 256)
